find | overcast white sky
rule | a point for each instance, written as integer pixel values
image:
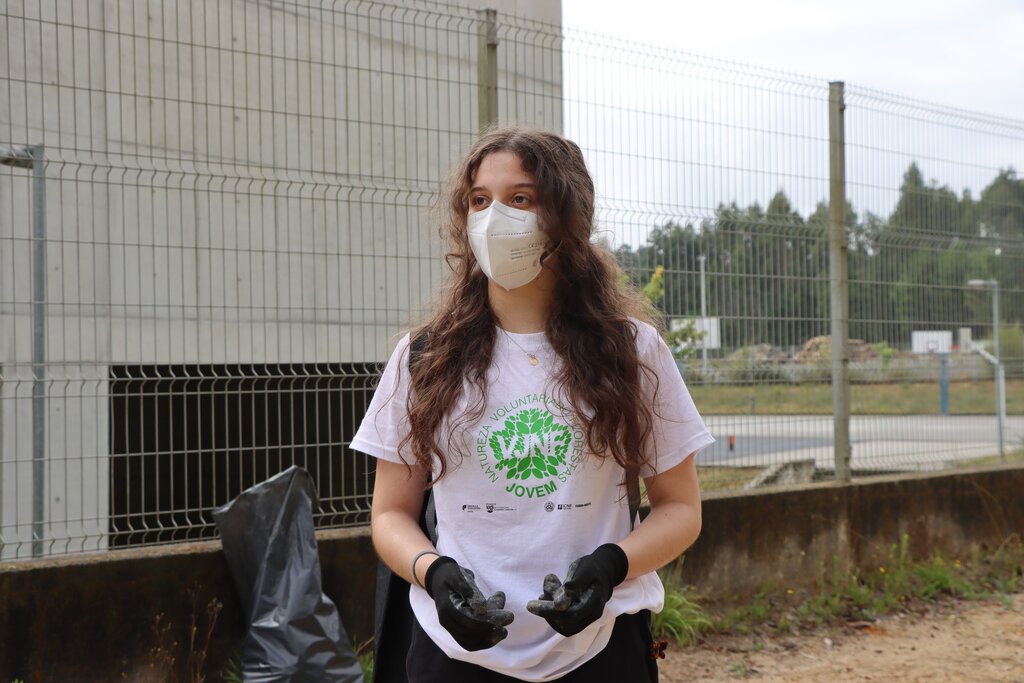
(963, 53)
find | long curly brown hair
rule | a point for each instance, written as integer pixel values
(589, 325)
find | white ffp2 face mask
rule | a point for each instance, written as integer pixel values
(507, 243)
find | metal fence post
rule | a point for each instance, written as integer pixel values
(1000, 372)
(33, 157)
(703, 316)
(839, 282)
(488, 69)
(38, 347)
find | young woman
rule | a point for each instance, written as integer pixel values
(535, 393)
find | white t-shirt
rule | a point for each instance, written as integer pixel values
(527, 499)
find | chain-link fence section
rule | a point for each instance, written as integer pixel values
(222, 229)
(215, 219)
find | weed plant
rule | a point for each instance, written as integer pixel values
(364, 652)
(681, 619)
(232, 672)
(163, 657)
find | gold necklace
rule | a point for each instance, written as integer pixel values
(531, 356)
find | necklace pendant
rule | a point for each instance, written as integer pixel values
(533, 359)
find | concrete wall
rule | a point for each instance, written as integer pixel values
(89, 618)
(778, 538)
(245, 181)
(92, 617)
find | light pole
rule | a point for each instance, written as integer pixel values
(32, 158)
(997, 360)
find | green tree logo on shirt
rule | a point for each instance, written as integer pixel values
(531, 444)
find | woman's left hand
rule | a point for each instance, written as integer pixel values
(571, 606)
(474, 622)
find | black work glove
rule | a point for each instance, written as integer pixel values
(572, 606)
(474, 622)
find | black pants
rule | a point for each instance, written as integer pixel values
(626, 659)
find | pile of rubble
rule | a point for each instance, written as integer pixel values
(819, 349)
(760, 353)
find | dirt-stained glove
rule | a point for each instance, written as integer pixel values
(475, 623)
(571, 606)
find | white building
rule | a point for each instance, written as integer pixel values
(231, 188)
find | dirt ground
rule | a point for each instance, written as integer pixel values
(951, 641)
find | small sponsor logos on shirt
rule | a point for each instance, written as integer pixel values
(490, 508)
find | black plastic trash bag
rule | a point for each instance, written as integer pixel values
(294, 632)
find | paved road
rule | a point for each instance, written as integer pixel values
(906, 442)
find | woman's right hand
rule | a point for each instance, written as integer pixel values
(474, 622)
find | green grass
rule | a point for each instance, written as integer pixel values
(965, 398)
(890, 588)
(718, 478)
(232, 672)
(364, 652)
(840, 595)
(739, 669)
(1014, 455)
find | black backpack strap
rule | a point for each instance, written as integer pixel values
(633, 495)
(428, 516)
(393, 617)
(417, 346)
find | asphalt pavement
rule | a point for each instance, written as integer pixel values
(878, 442)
